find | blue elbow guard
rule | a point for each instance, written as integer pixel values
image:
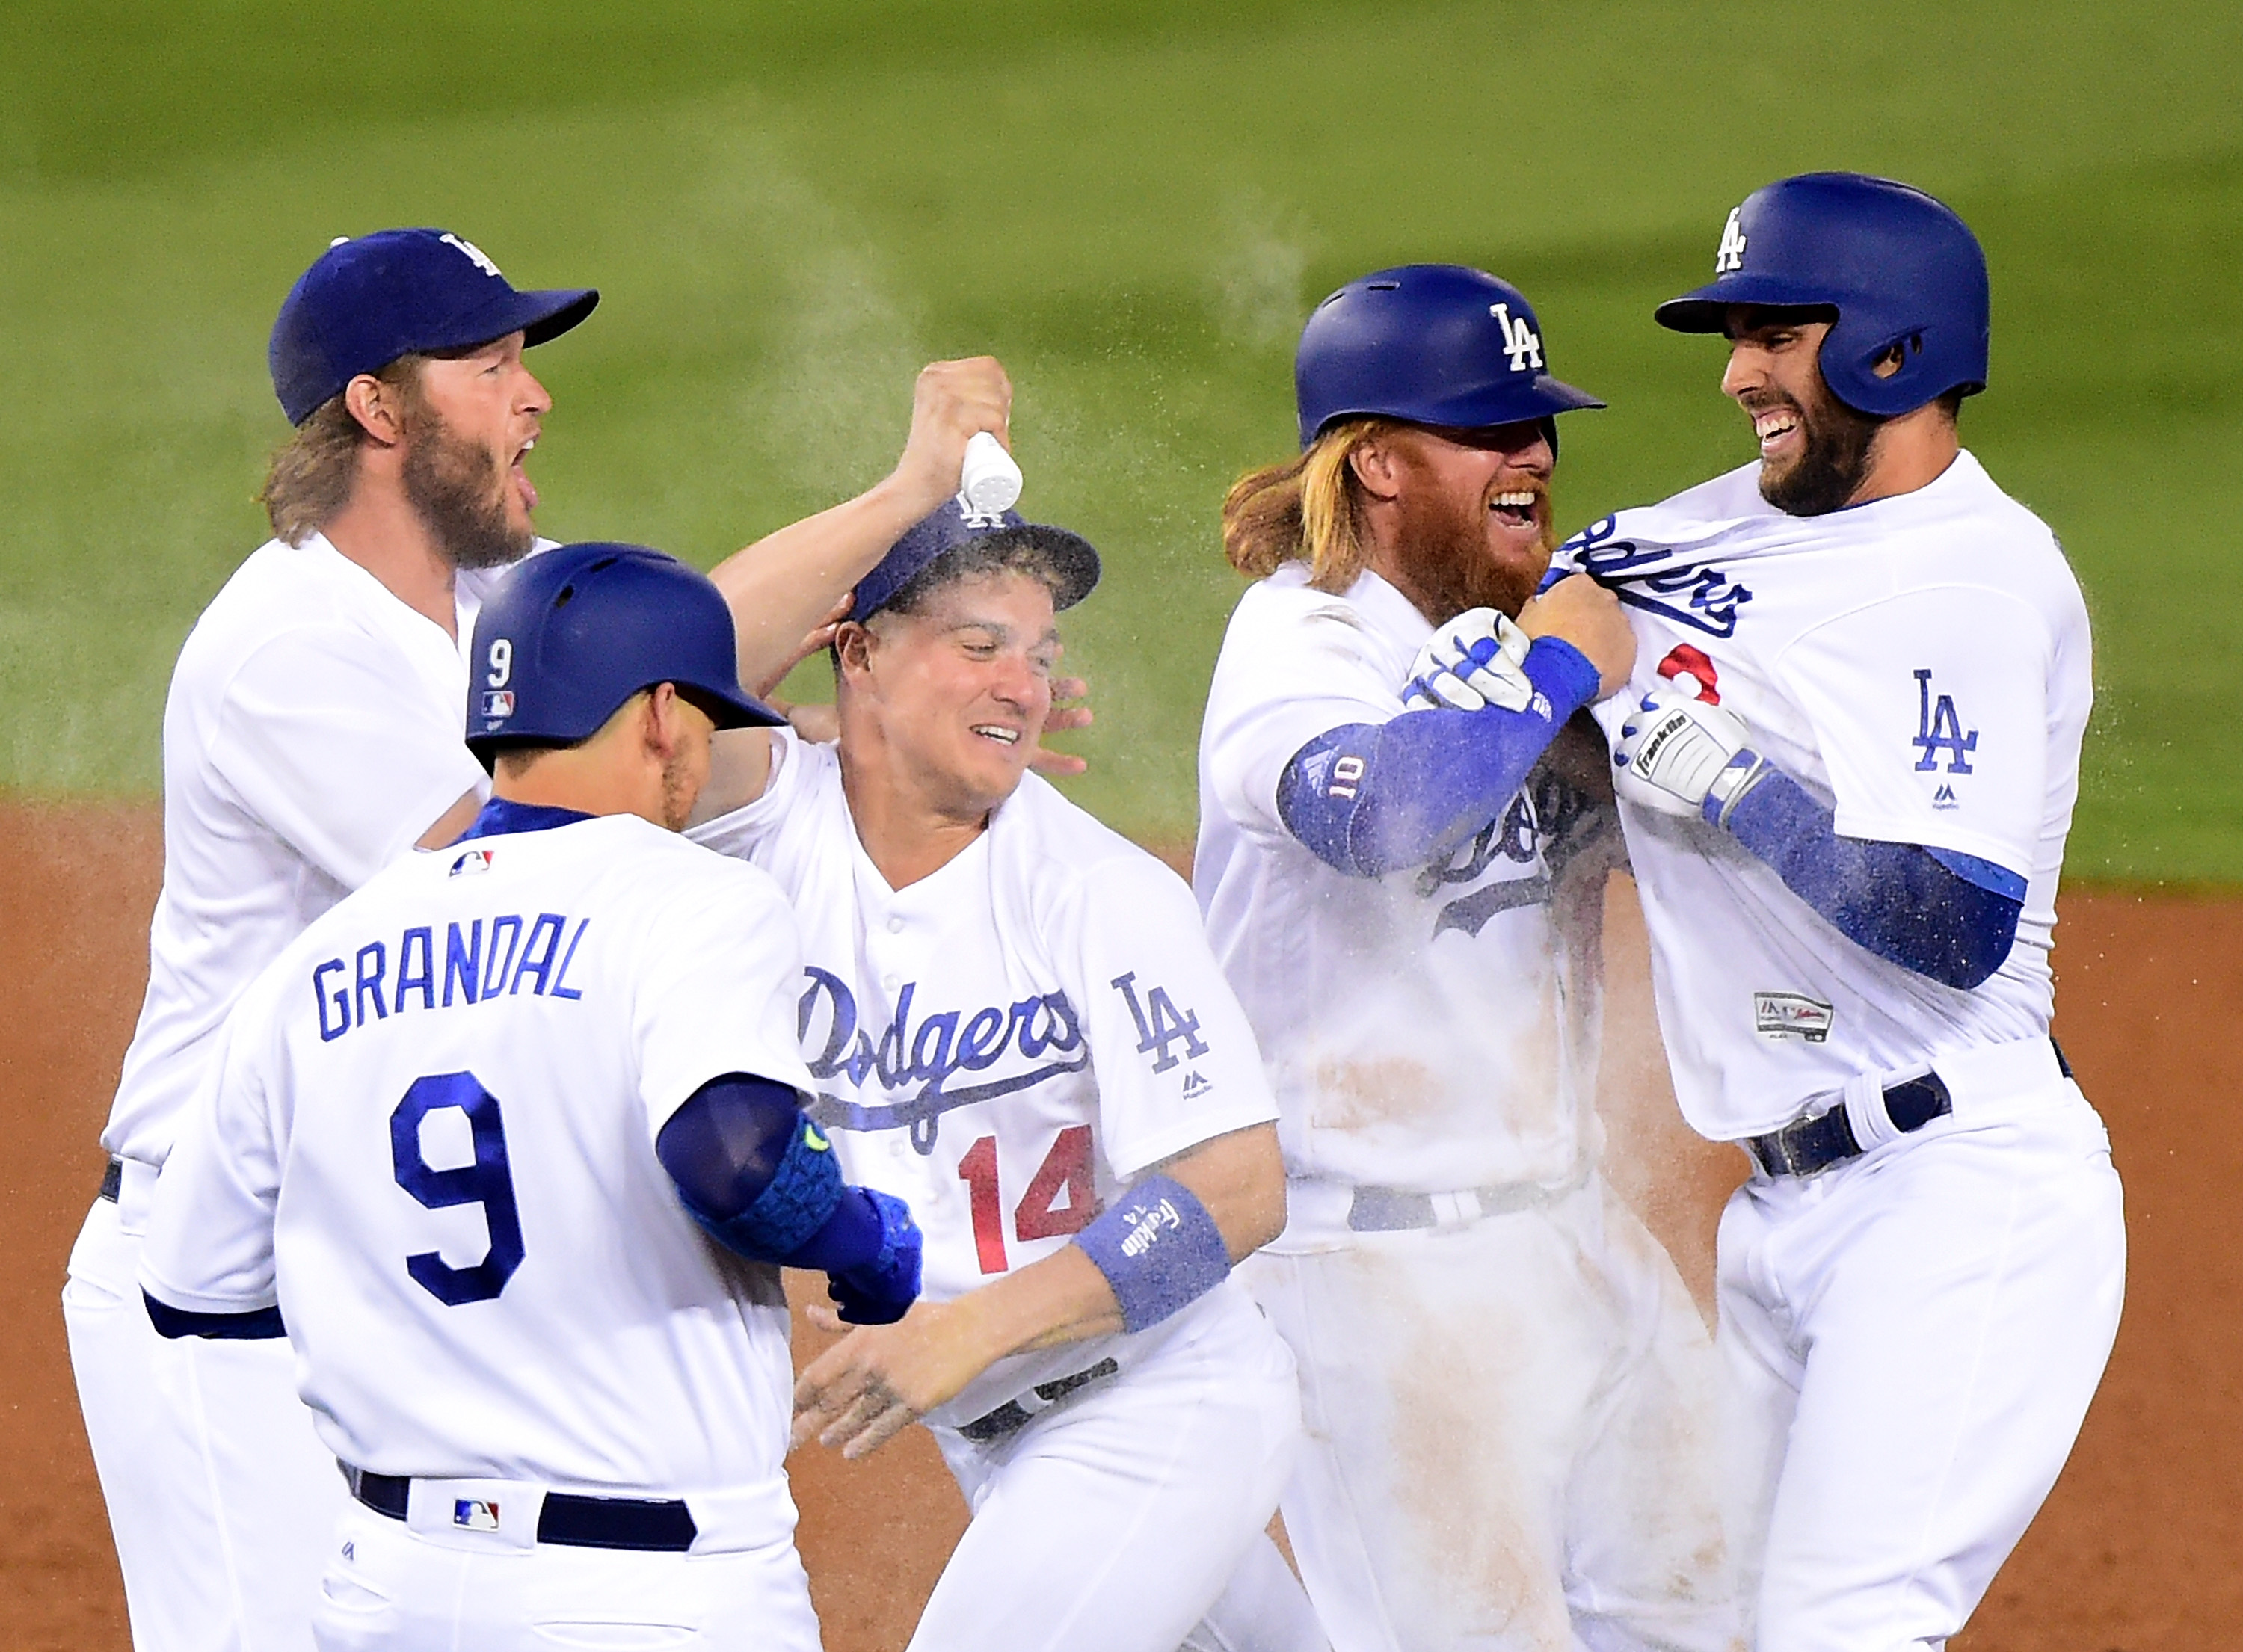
(1159, 1249)
(794, 1205)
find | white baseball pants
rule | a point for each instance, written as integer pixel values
(392, 1589)
(1512, 1432)
(1123, 1516)
(1912, 1339)
(220, 1496)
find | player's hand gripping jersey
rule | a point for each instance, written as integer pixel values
(1007, 1044)
(1919, 664)
(1413, 1023)
(438, 1113)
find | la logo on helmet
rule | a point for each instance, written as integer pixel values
(1730, 255)
(1520, 342)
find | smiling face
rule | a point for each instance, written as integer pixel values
(1814, 451)
(1471, 523)
(469, 432)
(950, 698)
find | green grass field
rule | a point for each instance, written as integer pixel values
(789, 207)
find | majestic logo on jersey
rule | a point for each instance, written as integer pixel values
(1938, 728)
(1730, 255)
(475, 1513)
(1160, 1024)
(1700, 596)
(1515, 837)
(1520, 342)
(929, 1054)
(1195, 1084)
(1686, 667)
(476, 254)
(1791, 1015)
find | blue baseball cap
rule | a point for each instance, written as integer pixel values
(571, 634)
(366, 301)
(952, 527)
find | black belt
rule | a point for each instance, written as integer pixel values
(660, 1525)
(1012, 1414)
(112, 1180)
(1807, 1146)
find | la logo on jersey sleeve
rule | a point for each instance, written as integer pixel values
(1939, 732)
(1161, 1025)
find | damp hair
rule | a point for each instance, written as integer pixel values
(1308, 509)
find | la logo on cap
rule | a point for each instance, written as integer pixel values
(480, 259)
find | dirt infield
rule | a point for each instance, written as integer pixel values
(2137, 1550)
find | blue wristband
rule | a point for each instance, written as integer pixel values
(1159, 1249)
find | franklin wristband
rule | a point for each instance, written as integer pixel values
(1159, 1249)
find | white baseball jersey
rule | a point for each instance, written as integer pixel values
(312, 734)
(1920, 664)
(1006, 1043)
(431, 1141)
(1412, 1023)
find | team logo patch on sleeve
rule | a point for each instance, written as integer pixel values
(1791, 1015)
(1160, 1023)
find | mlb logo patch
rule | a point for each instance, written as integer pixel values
(499, 703)
(474, 1515)
(473, 860)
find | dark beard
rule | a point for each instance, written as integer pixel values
(1831, 467)
(459, 491)
(1447, 563)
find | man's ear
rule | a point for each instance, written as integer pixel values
(659, 728)
(853, 643)
(378, 408)
(1373, 462)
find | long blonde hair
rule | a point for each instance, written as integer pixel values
(1308, 509)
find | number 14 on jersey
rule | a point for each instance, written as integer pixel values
(1065, 1175)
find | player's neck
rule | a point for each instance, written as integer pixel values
(908, 833)
(380, 530)
(1910, 452)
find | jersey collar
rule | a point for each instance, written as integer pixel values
(500, 818)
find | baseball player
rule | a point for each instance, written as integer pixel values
(1846, 761)
(311, 734)
(493, 1168)
(1506, 1388)
(1012, 1023)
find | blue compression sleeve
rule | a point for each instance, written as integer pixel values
(759, 1178)
(1368, 799)
(1950, 916)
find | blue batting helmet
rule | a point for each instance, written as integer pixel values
(1898, 267)
(569, 636)
(1434, 343)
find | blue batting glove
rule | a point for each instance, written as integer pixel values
(881, 1291)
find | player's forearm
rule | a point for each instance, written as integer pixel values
(1062, 1299)
(1240, 1177)
(1369, 800)
(1925, 909)
(782, 586)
